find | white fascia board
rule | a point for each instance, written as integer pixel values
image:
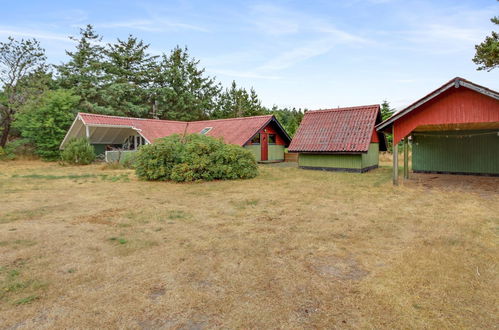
(69, 131)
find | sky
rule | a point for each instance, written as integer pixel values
(304, 54)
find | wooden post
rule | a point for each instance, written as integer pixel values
(395, 160)
(395, 164)
(406, 158)
(87, 131)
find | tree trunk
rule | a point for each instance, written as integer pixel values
(5, 132)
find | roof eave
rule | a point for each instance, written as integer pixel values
(456, 83)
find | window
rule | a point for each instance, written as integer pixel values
(271, 138)
(256, 139)
(205, 130)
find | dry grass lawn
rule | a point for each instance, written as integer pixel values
(87, 247)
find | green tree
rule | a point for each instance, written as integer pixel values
(386, 112)
(18, 60)
(84, 72)
(237, 102)
(44, 122)
(182, 91)
(290, 119)
(487, 53)
(130, 69)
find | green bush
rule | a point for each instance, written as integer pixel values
(78, 152)
(44, 121)
(18, 148)
(128, 159)
(192, 158)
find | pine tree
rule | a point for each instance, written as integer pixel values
(386, 110)
(237, 102)
(129, 72)
(487, 53)
(84, 72)
(182, 91)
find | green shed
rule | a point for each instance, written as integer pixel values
(342, 139)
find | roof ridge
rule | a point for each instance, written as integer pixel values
(346, 108)
(174, 121)
(134, 118)
(227, 119)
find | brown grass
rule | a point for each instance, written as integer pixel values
(289, 249)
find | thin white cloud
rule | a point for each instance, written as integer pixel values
(315, 35)
(152, 25)
(15, 32)
(243, 74)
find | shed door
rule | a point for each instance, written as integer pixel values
(264, 143)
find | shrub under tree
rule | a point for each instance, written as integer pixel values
(45, 121)
(193, 158)
(78, 152)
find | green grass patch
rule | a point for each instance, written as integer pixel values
(55, 177)
(245, 203)
(105, 177)
(119, 240)
(178, 215)
(26, 300)
(17, 243)
(115, 178)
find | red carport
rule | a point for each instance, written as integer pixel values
(454, 129)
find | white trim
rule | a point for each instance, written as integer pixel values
(480, 89)
(111, 126)
(87, 132)
(70, 128)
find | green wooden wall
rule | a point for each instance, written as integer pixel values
(330, 161)
(100, 149)
(339, 161)
(456, 152)
(372, 156)
(276, 152)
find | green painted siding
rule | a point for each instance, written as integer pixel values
(255, 149)
(276, 152)
(100, 149)
(457, 152)
(372, 156)
(330, 161)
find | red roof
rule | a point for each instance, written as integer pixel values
(233, 130)
(336, 130)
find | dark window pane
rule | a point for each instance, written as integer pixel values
(272, 138)
(256, 139)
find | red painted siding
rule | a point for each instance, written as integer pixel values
(375, 137)
(270, 129)
(454, 106)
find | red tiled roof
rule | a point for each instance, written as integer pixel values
(233, 130)
(336, 130)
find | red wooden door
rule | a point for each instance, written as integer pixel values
(264, 146)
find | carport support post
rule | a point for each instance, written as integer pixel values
(406, 158)
(395, 159)
(395, 164)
